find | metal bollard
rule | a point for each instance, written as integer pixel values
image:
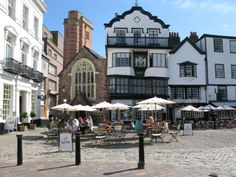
(141, 162)
(77, 149)
(19, 150)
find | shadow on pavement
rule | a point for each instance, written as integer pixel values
(32, 137)
(120, 171)
(8, 166)
(53, 168)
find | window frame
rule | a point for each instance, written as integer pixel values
(217, 73)
(25, 17)
(218, 45)
(234, 47)
(233, 72)
(11, 8)
(185, 72)
(50, 71)
(36, 26)
(121, 59)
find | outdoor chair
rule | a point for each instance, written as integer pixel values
(51, 136)
(175, 133)
(10, 124)
(156, 134)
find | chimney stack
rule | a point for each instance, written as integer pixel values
(193, 37)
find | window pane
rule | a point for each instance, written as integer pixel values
(219, 71)
(233, 71)
(233, 46)
(218, 45)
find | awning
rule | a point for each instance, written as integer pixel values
(223, 103)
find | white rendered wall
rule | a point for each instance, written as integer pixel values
(186, 53)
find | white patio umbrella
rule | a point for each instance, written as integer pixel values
(150, 107)
(102, 105)
(156, 101)
(63, 107)
(190, 108)
(80, 107)
(118, 107)
(228, 108)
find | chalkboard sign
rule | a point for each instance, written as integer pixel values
(188, 129)
(65, 141)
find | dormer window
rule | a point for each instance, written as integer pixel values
(188, 69)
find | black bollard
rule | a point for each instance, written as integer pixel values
(19, 150)
(77, 149)
(141, 162)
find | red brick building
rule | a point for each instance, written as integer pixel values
(83, 78)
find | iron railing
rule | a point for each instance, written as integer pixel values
(138, 41)
(13, 66)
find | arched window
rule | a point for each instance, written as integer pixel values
(83, 79)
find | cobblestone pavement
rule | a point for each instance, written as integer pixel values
(206, 152)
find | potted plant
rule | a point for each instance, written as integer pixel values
(32, 115)
(23, 116)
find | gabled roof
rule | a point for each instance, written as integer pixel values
(84, 49)
(119, 17)
(182, 43)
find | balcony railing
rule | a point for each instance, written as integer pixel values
(13, 66)
(37, 76)
(26, 71)
(138, 41)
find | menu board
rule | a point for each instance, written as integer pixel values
(65, 141)
(188, 129)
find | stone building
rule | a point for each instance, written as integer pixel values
(83, 78)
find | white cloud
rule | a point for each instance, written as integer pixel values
(197, 5)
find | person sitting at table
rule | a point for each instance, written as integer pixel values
(53, 123)
(75, 125)
(90, 123)
(150, 122)
(62, 124)
(82, 124)
(138, 124)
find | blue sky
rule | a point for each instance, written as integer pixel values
(183, 16)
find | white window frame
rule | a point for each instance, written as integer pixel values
(36, 27)
(7, 101)
(24, 53)
(9, 45)
(11, 8)
(25, 17)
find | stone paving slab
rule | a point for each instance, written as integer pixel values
(208, 151)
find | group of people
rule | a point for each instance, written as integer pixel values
(76, 124)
